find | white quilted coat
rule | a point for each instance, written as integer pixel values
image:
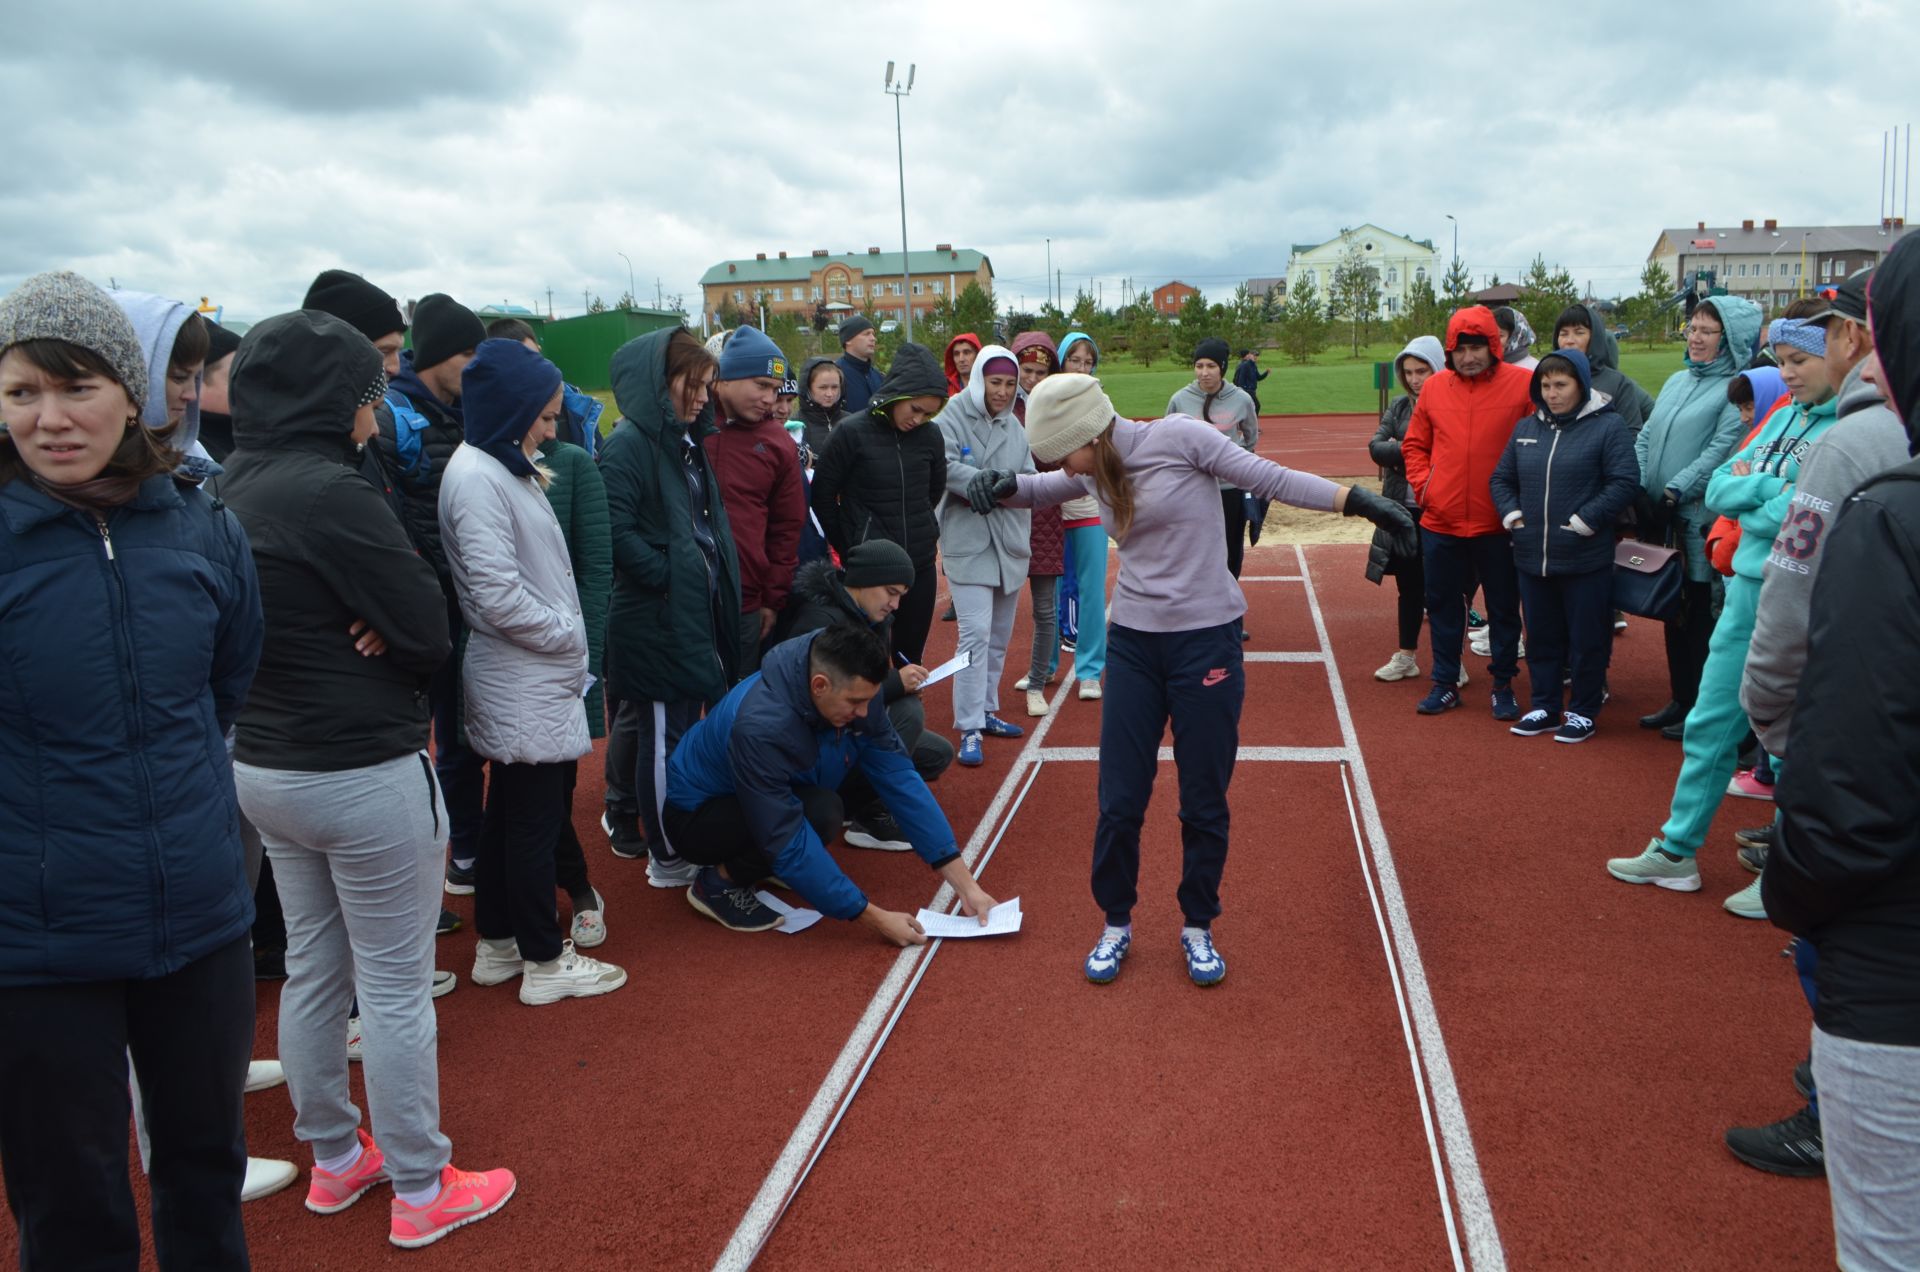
(525, 668)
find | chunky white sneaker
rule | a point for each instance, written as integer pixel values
(1021, 683)
(1658, 867)
(670, 874)
(265, 1177)
(496, 964)
(1399, 667)
(1481, 643)
(353, 1039)
(1103, 964)
(262, 1074)
(1089, 690)
(572, 975)
(1036, 702)
(590, 926)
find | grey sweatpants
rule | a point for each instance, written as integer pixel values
(1046, 629)
(357, 858)
(986, 625)
(1870, 1125)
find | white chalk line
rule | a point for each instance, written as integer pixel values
(1268, 754)
(776, 1190)
(1285, 655)
(1403, 953)
(1271, 578)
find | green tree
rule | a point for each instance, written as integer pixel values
(973, 311)
(1303, 324)
(1246, 320)
(1148, 335)
(1196, 321)
(1647, 313)
(1353, 297)
(1456, 287)
(1543, 294)
(596, 306)
(1018, 323)
(1423, 316)
(821, 318)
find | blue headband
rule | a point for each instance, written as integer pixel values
(1799, 333)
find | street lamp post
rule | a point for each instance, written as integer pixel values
(897, 91)
(630, 296)
(1456, 236)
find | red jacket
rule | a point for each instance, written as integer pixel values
(1459, 428)
(955, 385)
(760, 482)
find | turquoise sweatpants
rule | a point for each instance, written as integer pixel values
(1715, 725)
(1090, 573)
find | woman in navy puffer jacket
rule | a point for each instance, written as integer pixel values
(130, 627)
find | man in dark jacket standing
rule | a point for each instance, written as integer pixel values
(673, 631)
(883, 473)
(1247, 376)
(375, 315)
(860, 380)
(759, 471)
(1844, 872)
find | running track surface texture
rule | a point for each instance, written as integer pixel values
(1446, 1037)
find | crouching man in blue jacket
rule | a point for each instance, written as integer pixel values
(752, 789)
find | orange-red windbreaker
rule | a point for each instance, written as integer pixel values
(1458, 430)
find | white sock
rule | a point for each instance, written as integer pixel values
(339, 1165)
(421, 1199)
(1115, 933)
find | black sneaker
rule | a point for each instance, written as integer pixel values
(1439, 698)
(1803, 1078)
(449, 923)
(875, 828)
(1576, 728)
(1505, 705)
(269, 965)
(950, 616)
(623, 834)
(1675, 732)
(1533, 724)
(1790, 1146)
(1754, 859)
(1760, 837)
(1672, 713)
(459, 882)
(729, 906)
(1475, 620)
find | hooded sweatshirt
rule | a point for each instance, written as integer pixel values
(1630, 402)
(872, 479)
(1564, 480)
(523, 671)
(1385, 447)
(1231, 410)
(157, 322)
(1866, 439)
(954, 385)
(994, 550)
(765, 738)
(329, 554)
(1459, 430)
(766, 496)
(1693, 428)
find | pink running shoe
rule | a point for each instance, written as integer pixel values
(1746, 787)
(329, 1194)
(466, 1196)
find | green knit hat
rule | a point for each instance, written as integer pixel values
(61, 305)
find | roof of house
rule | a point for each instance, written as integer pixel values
(1175, 283)
(1760, 241)
(791, 268)
(1261, 286)
(1498, 294)
(1301, 249)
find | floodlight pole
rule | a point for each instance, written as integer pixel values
(897, 91)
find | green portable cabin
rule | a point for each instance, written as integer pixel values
(582, 347)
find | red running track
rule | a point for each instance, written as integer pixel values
(1599, 1037)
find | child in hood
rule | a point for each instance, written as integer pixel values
(1567, 474)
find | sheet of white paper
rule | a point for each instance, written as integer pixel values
(962, 659)
(1002, 920)
(797, 919)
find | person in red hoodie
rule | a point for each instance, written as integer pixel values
(961, 351)
(1460, 427)
(760, 483)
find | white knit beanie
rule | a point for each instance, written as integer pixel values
(1064, 413)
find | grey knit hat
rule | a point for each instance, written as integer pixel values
(61, 305)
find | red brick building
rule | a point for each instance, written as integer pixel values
(1168, 297)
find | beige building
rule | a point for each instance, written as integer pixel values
(869, 282)
(1397, 260)
(1769, 263)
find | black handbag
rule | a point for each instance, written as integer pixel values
(1647, 579)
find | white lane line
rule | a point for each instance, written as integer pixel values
(1476, 1212)
(1271, 578)
(1285, 655)
(775, 1190)
(1275, 754)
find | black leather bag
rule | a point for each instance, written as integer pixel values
(1647, 579)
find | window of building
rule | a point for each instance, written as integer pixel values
(1420, 275)
(859, 291)
(816, 293)
(1393, 276)
(778, 295)
(916, 289)
(739, 297)
(939, 289)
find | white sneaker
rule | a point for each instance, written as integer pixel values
(1089, 690)
(353, 1039)
(1481, 644)
(1462, 681)
(444, 983)
(590, 926)
(1036, 702)
(572, 975)
(1399, 667)
(496, 964)
(1022, 682)
(265, 1177)
(670, 874)
(262, 1074)
(1746, 903)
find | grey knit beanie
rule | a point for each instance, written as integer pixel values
(61, 305)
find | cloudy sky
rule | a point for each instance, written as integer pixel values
(497, 150)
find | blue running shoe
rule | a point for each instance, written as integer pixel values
(1104, 963)
(1204, 964)
(1505, 705)
(1438, 699)
(970, 752)
(998, 728)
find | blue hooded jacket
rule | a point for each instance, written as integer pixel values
(1567, 478)
(502, 392)
(765, 738)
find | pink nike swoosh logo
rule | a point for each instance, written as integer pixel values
(1215, 676)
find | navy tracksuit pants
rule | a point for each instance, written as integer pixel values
(1194, 678)
(1454, 564)
(1569, 628)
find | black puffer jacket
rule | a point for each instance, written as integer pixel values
(329, 553)
(420, 492)
(872, 479)
(821, 599)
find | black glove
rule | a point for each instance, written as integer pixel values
(1389, 515)
(980, 490)
(1004, 483)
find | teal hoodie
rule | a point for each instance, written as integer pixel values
(1693, 428)
(1759, 500)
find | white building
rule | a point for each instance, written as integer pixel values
(1398, 260)
(1769, 263)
